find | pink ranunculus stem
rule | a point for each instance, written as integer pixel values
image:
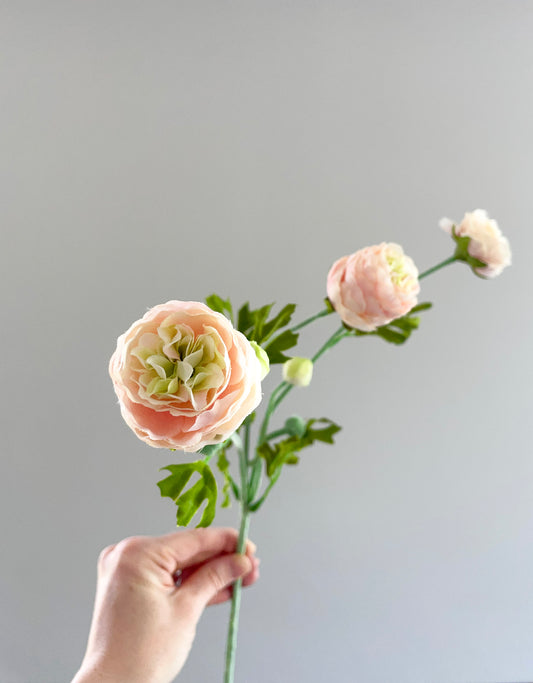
(233, 627)
(437, 267)
(307, 321)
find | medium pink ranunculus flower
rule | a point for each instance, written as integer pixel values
(487, 244)
(373, 286)
(184, 377)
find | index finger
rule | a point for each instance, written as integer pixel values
(182, 549)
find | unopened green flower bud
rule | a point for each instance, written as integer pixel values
(298, 371)
(262, 357)
(296, 425)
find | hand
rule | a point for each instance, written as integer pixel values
(143, 623)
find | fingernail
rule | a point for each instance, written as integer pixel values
(252, 546)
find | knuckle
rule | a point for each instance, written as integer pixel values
(130, 546)
(104, 554)
(128, 553)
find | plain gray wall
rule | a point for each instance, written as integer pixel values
(159, 150)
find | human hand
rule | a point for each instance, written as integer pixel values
(143, 623)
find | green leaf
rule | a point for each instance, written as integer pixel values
(276, 456)
(255, 324)
(282, 319)
(189, 501)
(260, 317)
(244, 319)
(426, 305)
(284, 452)
(219, 305)
(323, 433)
(399, 330)
(284, 341)
(407, 323)
(223, 466)
(391, 336)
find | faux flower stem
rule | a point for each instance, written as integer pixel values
(438, 266)
(276, 397)
(270, 409)
(307, 321)
(231, 645)
(284, 388)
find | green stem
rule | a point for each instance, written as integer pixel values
(231, 646)
(276, 433)
(269, 410)
(307, 321)
(284, 388)
(437, 267)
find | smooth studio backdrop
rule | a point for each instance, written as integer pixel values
(166, 149)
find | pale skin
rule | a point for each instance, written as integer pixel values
(144, 624)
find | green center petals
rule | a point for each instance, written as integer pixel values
(176, 364)
(399, 272)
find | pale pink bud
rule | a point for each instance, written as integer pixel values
(486, 242)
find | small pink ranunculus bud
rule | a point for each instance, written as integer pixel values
(184, 377)
(298, 371)
(373, 286)
(486, 250)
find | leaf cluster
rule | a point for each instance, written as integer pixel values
(300, 434)
(399, 330)
(260, 326)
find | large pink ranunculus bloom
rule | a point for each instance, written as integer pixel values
(373, 286)
(487, 244)
(184, 377)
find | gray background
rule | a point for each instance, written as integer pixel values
(159, 150)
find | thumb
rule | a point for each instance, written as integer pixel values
(214, 576)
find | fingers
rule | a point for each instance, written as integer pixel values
(248, 580)
(212, 578)
(184, 549)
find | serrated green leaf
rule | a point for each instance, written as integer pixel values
(220, 305)
(255, 323)
(284, 452)
(276, 456)
(189, 502)
(284, 341)
(324, 434)
(282, 319)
